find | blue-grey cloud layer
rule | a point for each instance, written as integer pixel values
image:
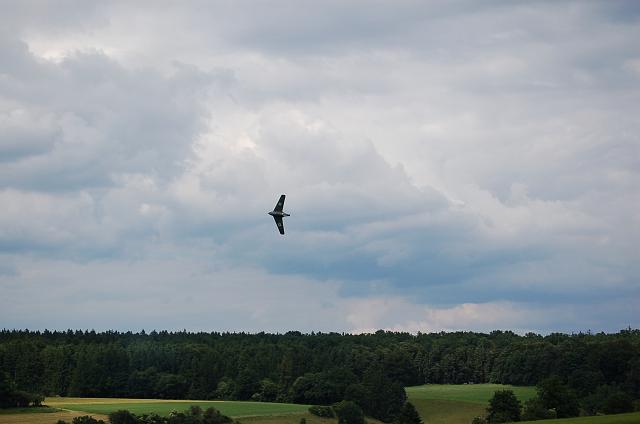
(450, 165)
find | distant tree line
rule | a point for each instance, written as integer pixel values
(11, 397)
(316, 368)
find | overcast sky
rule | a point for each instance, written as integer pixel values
(448, 165)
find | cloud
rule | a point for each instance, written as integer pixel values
(450, 165)
(102, 119)
(169, 292)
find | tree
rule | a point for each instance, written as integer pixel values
(534, 409)
(618, 403)
(384, 398)
(225, 390)
(503, 407)
(7, 388)
(268, 391)
(122, 417)
(349, 412)
(213, 416)
(555, 395)
(408, 415)
(86, 419)
(171, 386)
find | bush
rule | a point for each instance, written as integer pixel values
(322, 411)
(618, 403)
(534, 409)
(555, 395)
(608, 400)
(213, 416)
(122, 417)
(349, 412)
(194, 415)
(86, 419)
(408, 415)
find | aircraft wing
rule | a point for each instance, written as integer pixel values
(279, 205)
(279, 223)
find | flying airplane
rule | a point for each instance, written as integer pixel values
(277, 214)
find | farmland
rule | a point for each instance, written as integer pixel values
(476, 393)
(105, 406)
(632, 418)
(458, 403)
(247, 412)
(436, 403)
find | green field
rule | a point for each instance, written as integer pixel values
(632, 418)
(146, 406)
(476, 393)
(458, 403)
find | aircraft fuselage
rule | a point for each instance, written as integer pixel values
(278, 213)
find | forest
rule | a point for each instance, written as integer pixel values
(315, 368)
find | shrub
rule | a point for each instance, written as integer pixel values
(122, 417)
(86, 419)
(534, 409)
(322, 411)
(349, 412)
(213, 416)
(408, 415)
(555, 395)
(618, 403)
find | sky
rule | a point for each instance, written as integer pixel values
(448, 165)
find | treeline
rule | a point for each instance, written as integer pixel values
(316, 368)
(11, 397)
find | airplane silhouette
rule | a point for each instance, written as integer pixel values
(277, 214)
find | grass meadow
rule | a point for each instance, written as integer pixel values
(632, 418)
(458, 403)
(164, 407)
(437, 404)
(476, 393)
(245, 412)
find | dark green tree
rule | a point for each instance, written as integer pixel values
(122, 417)
(86, 419)
(267, 392)
(556, 395)
(503, 407)
(7, 388)
(534, 409)
(349, 412)
(408, 415)
(213, 416)
(384, 398)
